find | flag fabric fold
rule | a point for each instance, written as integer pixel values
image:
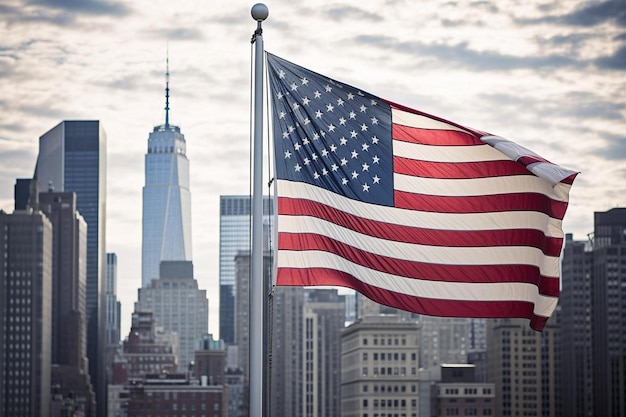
(411, 210)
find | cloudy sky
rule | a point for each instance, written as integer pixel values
(547, 74)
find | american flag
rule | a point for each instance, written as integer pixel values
(410, 210)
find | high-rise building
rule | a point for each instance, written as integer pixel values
(166, 220)
(608, 317)
(72, 158)
(523, 365)
(113, 305)
(179, 306)
(444, 340)
(234, 237)
(575, 335)
(379, 362)
(70, 377)
(25, 314)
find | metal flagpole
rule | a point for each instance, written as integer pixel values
(259, 13)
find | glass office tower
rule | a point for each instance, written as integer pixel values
(72, 157)
(166, 199)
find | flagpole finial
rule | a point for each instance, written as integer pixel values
(260, 12)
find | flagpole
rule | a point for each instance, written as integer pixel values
(259, 13)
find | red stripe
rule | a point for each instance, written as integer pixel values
(531, 159)
(421, 270)
(453, 238)
(433, 136)
(420, 305)
(481, 204)
(457, 170)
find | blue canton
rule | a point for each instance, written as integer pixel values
(330, 135)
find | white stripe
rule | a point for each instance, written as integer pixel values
(441, 290)
(481, 186)
(458, 154)
(547, 170)
(437, 221)
(438, 255)
(404, 118)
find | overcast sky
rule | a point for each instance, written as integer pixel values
(549, 75)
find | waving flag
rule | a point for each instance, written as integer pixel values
(413, 211)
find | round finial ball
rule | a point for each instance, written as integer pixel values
(260, 12)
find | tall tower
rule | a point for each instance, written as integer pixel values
(25, 314)
(72, 157)
(166, 198)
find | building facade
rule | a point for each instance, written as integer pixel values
(113, 306)
(72, 158)
(608, 317)
(166, 219)
(379, 357)
(444, 340)
(25, 314)
(457, 393)
(179, 306)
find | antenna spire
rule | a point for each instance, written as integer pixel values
(167, 89)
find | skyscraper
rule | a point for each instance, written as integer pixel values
(234, 237)
(166, 219)
(72, 157)
(113, 305)
(25, 314)
(608, 317)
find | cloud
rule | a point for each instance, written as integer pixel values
(341, 13)
(615, 149)
(462, 55)
(592, 14)
(91, 7)
(177, 34)
(617, 61)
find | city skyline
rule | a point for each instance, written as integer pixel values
(528, 74)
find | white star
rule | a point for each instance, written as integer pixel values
(295, 106)
(297, 167)
(307, 161)
(344, 181)
(353, 134)
(375, 140)
(318, 114)
(316, 136)
(363, 127)
(340, 102)
(365, 167)
(354, 154)
(342, 121)
(324, 171)
(365, 147)
(360, 93)
(285, 135)
(290, 128)
(329, 107)
(314, 157)
(334, 167)
(281, 74)
(306, 141)
(279, 96)
(331, 127)
(354, 175)
(328, 88)
(350, 96)
(321, 133)
(307, 121)
(305, 101)
(373, 102)
(324, 152)
(333, 147)
(287, 154)
(343, 141)
(366, 188)
(317, 94)
(352, 115)
(375, 158)
(374, 121)
(294, 86)
(297, 146)
(376, 179)
(316, 175)
(304, 81)
(344, 162)
(363, 109)
(281, 115)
